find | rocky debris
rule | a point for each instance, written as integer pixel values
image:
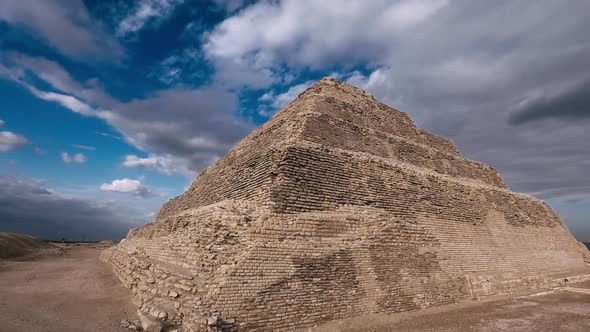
(150, 324)
(133, 326)
(212, 321)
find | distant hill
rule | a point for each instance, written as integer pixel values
(14, 245)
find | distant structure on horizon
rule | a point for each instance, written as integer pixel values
(337, 207)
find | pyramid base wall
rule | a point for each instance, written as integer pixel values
(238, 266)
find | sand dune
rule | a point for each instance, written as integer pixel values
(14, 245)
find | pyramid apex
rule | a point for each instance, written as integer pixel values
(337, 88)
(329, 79)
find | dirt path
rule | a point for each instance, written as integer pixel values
(74, 292)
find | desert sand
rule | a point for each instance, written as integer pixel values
(20, 246)
(565, 309)
(70, 292)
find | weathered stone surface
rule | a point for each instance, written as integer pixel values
(130, 325)
(339, 206)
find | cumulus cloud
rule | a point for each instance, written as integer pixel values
(135, 161)
(65, 25)
(77, 158)
(264, 36)
(145, 12)
(378, 82)
(10, 141)
(127, 186)
(28, 206)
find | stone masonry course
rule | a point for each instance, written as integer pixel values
(336, 207)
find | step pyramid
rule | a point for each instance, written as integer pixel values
(339, 206)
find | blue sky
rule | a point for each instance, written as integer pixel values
(110, 108)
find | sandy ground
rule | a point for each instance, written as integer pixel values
(77, 292)
(72, 292)
(564, 310)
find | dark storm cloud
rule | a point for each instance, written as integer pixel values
(26, 206)
(574, 105)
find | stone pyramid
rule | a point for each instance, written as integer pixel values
(339, 206)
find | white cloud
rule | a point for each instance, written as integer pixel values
(135, 161)
(314, 29)
(146, 11)
(72, 103)
(277, 101)
(128, 186)
(77, 158)
(379, 82)
(166, 164)
(263, 37)
(69, 102)
(410, 12)
(58, 78)
(2, 123)
(10, 141)
(84, 147)
(103, 134)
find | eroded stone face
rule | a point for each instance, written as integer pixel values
(339, 206)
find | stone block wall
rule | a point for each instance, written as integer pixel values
(327, 131)
(396, 238)
(247, 268)
(355, 106)
(339, 206)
